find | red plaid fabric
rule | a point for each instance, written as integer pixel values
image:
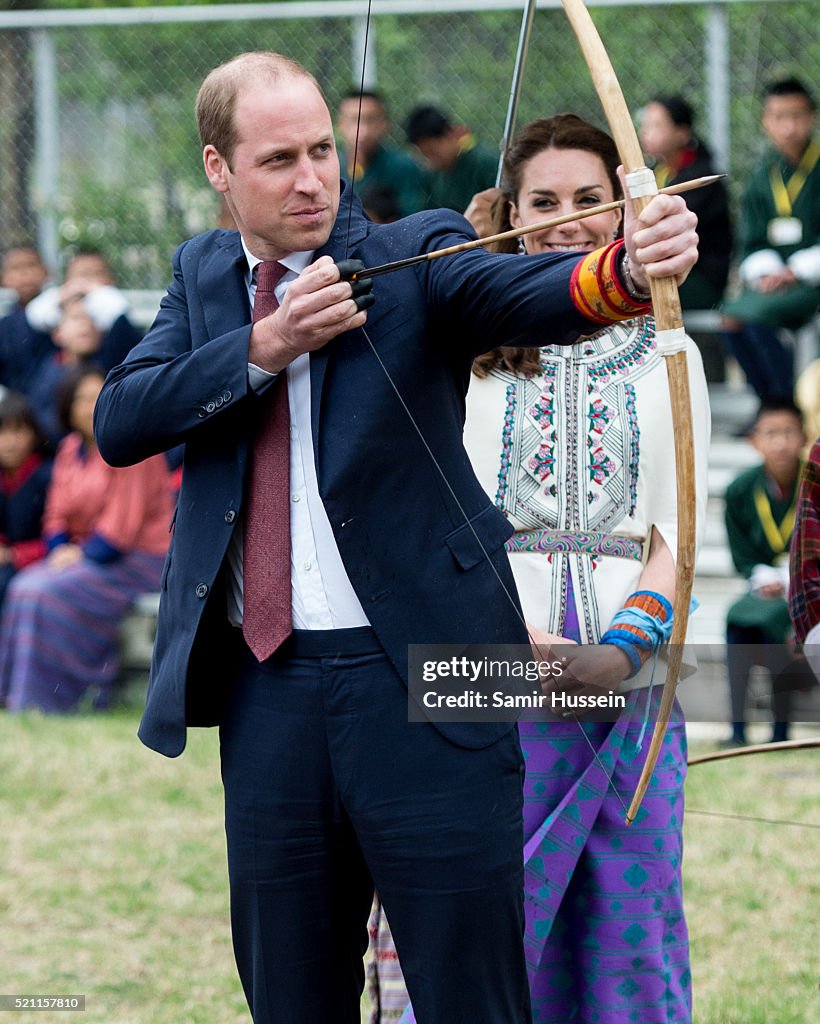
(804, 587)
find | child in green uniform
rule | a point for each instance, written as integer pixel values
(760, 510)
(780, 268)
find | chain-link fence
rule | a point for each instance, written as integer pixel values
(97, 138)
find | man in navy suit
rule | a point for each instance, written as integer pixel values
(329, 789)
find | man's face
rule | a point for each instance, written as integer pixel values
(283, 184)
(372, 126)
(789, 123)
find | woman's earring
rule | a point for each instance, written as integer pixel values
(521, 247)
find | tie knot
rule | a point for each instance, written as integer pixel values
(268, 275)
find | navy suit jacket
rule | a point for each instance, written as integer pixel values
(416, 565)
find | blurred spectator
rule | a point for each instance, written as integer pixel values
(89, 276)
(760, 511)
(24, 477)
(23, 348)
(780, 269)
(379, 202)
(107, 534)
(24, 272)
(667, 135)
(459, 165)
(380, 169)
(78, 340)
(804, 586)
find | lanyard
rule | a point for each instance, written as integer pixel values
(786, 195)
(662, 173)
(778, 537)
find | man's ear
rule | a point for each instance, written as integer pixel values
(216, 168)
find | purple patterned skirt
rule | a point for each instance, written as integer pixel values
(59, 639)
(606, 938)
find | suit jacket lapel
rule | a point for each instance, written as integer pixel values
(225, 302)
(222, 286)
(342, 241)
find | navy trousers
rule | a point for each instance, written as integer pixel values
(330, 790)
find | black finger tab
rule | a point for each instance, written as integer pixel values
(364, 301)
(347, 268)
(361, 287)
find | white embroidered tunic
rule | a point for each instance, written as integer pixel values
(585, 451)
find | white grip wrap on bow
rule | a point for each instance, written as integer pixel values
(641, 183)
(671, 341)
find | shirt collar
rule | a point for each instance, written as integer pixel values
(294, 261)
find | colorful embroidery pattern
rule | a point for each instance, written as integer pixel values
(506, 446)
(542, 463)
(634, 434)
(574, 542)
(600, 416)
(600, 466)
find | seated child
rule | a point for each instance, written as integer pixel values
(78, 341)
(760, 511)
(89, 276)
(24, 478)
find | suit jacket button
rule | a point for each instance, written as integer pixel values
(202, 412)
(210, 407)
(202, 590)
(227, 396)
(230, 516)
(219, 402)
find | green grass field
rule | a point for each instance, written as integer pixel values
(113, 880)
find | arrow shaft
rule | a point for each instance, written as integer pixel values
(543, 225)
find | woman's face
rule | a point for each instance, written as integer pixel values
(560, 181)
(82, 408)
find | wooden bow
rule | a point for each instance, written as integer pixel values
(671, 341)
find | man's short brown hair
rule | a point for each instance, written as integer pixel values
(216, 99)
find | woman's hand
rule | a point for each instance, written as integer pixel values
(591, 671)
(480, 211)
(594, 667)
(542, 643)
(662, 241)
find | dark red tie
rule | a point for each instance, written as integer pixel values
(266, 619)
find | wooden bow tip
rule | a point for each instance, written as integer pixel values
(669, 322)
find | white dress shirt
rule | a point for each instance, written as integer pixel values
(322, 594)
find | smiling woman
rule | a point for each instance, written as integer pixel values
(575, 446)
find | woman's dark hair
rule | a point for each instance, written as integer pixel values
(564, 131)
(68, 390)
(16, 411)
